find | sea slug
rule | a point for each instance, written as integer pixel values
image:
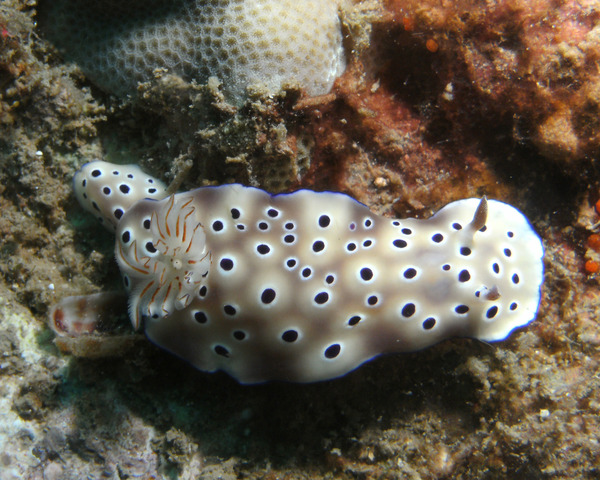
(307, 286)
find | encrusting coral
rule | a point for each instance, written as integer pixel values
(241, 42)
(307, 286)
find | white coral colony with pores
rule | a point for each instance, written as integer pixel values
(243, 43)
(307, 286)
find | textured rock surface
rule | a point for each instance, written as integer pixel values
(529, 65)
(401, 141)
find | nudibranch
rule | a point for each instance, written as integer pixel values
(307, 286)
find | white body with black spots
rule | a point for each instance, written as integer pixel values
(307, 286)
